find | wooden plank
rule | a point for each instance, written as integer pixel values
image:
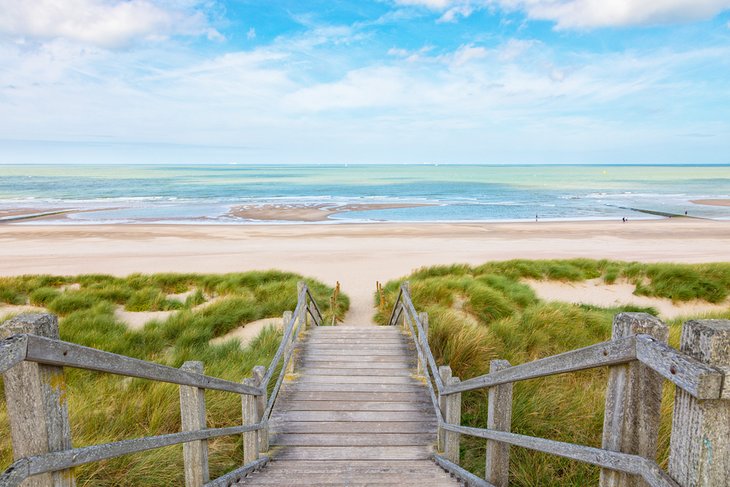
(633, 464)
(499, 417)
(356, 396)
(60, 460)
(332, 405)
(250, 415)
(354, 453)
(356, 387)
(354, 427)
(607, 353)
(12, 351)
(56, 352)
(338, 352)
(362, 439)
(192, 418)
(37, 402)
(356, 379)
(701, 381)
(452, 416)
(358, 364)
(633, 401)
(700, 443)
(362, 371)
(359, 466)
(238, 474)
(358, 416)
(469, 478)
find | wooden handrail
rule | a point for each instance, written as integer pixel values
(52, 352)
(697, 379)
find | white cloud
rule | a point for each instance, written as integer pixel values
(103, 23)
(581, 14)
(570, 14)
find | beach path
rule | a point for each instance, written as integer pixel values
(354, 414)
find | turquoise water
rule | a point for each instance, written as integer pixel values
(205, 193)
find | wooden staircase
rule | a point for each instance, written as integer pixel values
(354, 414)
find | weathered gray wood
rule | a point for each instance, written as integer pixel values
(302, 290)
(700, 443)
(355, 379)
(288, 327)
(357, 416)
(354, 427)
(192, 418)
(55, 352)
(467, 477)
(289, 350)
(355, 453)
(633, 401)
(382, 397)
(250, 414)
(399, 359)
(445, 374)
(411, 310)
(12, 351)
(61, 460)
(424, 339)
(606, 353)
(700, 380)
(633, 464)
(357, 387)
(37, 403)
(357, 372)
(239, 474)
(362, 439)
(258, 376)
(499, 417)
(452, 416)
(329, 404)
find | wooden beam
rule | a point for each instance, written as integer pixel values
(37, 402)
(633, 401)
(499, 417)
(192, 418)
(699, 453)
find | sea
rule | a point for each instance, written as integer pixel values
(205, 194)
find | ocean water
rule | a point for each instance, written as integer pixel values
(206, 193)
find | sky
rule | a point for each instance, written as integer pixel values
(365, 81)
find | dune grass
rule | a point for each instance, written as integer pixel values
(106, 408)
(481, 313)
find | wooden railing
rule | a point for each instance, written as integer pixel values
(32, 358)
(638, 360)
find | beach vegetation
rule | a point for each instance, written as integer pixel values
(105, 408)
(487, 312)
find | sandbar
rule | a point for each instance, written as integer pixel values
(318, 212)
(713, 202)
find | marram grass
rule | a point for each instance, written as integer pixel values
(481, 313)
(104, 407)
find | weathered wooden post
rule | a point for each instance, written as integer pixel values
(499, 417)
(192, 416)
(258, 374)
(423, 341)
(37, 404)
(453, 416)
(285, 320)
(305, 320)
(407, 290)
(445, 373)
(250, 438)
(699, 454)
(633, 401)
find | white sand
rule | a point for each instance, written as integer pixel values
(136, 320)
(356, 255)
(598, 293)
(246, 333)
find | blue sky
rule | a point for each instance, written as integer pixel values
(384, 81)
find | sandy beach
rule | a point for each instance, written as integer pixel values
(355, 255)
